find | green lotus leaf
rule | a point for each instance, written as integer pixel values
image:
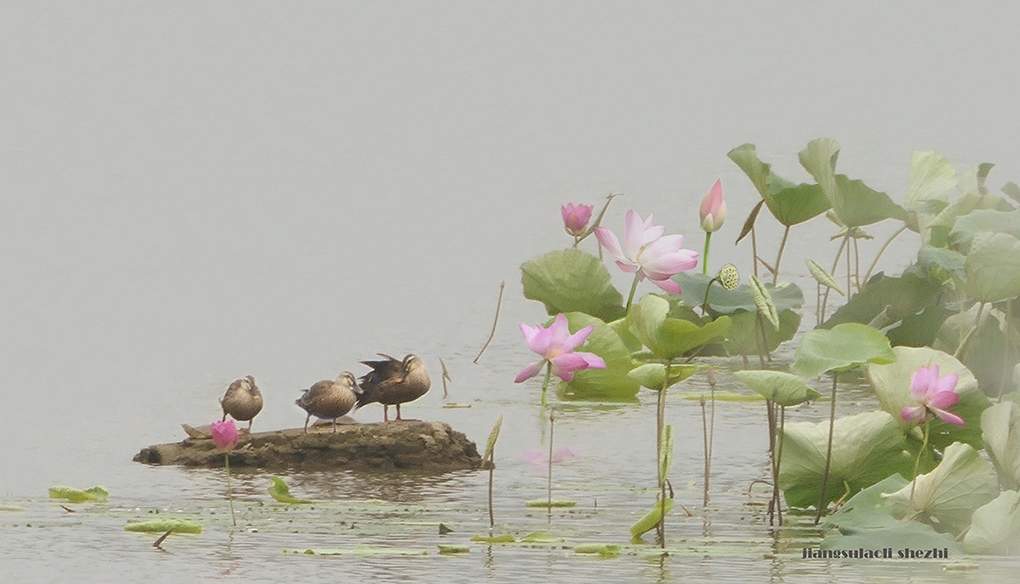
(943, 223)
(612, 383)
(1000, 431)
(571, 280)
(281, 492)
(949, 494)
(897, 537)
(993, 267)
(670, 338)
(722, 301)
(763, 302)
(789, 203)
(892, 387)
(505, 538)
(744, 337)
(866, 448)
(653, 375)
(78, 495)
(602, 549)
(995, 527)
(651, 519)
(783, 388)
(897, 297)
(866, 510)
(948, 260)
(932, 177)
(992, 220)
(854, 203)
(845, 346)
(164, 525)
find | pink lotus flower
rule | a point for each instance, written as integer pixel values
(648, 252)
(224, 435)
(933, 394)
(556, 346)
(713, 208)
(576, 217)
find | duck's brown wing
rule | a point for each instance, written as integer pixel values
(382, 373)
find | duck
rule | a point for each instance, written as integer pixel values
(242, 401)
(392, 382)
(330, 399)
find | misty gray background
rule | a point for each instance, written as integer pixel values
(194, 191)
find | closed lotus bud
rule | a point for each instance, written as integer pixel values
(224, 434)
(576, 217)
(713, 208)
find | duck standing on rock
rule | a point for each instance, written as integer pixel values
(242, 401)
(330, 399)
(393, 382)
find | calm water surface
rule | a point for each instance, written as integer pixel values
(190, 193)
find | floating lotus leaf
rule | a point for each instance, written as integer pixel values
(899, 537)
(1000, 431)
(892, 387)
(553, 503)
(281, 492)
(506, 538)
(993, 267)
(950, 493)
(866, 510)
(612, 383)
(854, 203)
(602, 549)
(571, 280)
(670, 338)
(789, 203)
(995, 527)
(783, 388)
(866, 448)
(447, 550)
(163, 526)
(843, 347)
(78, 495)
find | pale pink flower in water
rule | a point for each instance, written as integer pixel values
(648, 252)
(576, 217)
(539, 459)
(224, 435)
(556, 346)
(933, 394)
(713, 208)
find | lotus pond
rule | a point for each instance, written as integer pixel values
(886, 421)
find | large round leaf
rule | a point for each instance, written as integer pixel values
(612, 383)
(993, 267)
(722, 301)
(670, 338)
(892, 387)
(789, 203)
(783, 388)
(1000, 431)
(995, 527)
(991, 220)
(744, 336)
(866, 448)
(843, 347)
(653, 375)
(950, 493)
(571, 280)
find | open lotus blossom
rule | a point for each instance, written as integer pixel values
(648, 252)
(576, 217)
(556, 346)
(713, 208)
(224, 435)
(933, 394)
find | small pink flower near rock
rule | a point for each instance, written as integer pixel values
(933, 394)
(576, 217)
(224, 435)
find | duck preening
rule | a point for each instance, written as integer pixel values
(242, 401)
(392, 382)
(330, 399)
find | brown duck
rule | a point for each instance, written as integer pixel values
(242, 401)
(393, 382)
(330, 399)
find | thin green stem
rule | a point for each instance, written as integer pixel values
(704, 305)
(633, 288)
(828, 452)
(754, 251)
(917, 462)
(835, 264)
(660, 425)
(779, 256)
(704, 259)
(230, 491)
(545, 383)
(552, 420)
(867, 275)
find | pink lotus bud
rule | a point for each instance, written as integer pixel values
(713, 208)
(576, 217)
(224, 435)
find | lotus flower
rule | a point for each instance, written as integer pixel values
(648, 252)
(713, 208)
(576, 217)
(224, 435)
(933, 394)
(556, 346)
